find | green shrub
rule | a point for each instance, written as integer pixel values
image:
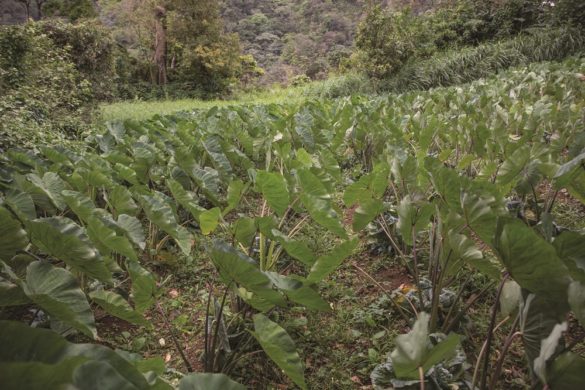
(338, 86)
(388, 40)
(93, 52)
(44, 96)
(462, 66)
(571, 11)
(300, 79)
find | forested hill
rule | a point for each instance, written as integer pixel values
(294, 36)
(291, 37)
(286, 37)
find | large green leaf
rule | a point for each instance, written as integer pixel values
(81, 204)
(538, 317)
(208, 381)
(212, 145)
(274, 189)
(298, 291)
(13, 238)
(21, 203)
(367, 210)
(244, 230)
(413, 350)
(60, 237)
(515, 166)
(566, 372)
(572, 176)
(446, 182)
(235, 192)
(479, 216)
(185, 198)
(548, 347)
(235, 266)
(317, 200)
(117, 306)
(143, 286)
(209, 219)
(120, 199)
(532, 261)
(296, 249)
(48, 187)
(330, 164)
(463, 249)
(371, 185)
(32, 358)
(133, 229)
(279, 346)
(577, 300)
(57, 292)
(413, 216)
(105, 236)
(570, 247)
(11, 294)
(207, 179)
(328, 263)
(161, 214)
(356, 191)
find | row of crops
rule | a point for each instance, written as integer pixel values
(456, 179)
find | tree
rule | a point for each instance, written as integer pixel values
(160, 45)
(40, 4)
(26, 4)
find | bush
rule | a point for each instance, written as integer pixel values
(44, 96)
(299, 80)
(338, 86)
(571, 11)
(462, 66)
(388, 40)
(93, 52)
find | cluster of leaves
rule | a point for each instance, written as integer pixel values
(81, 225)
(459, 159)
(460, 66)
(75, 220)
(51, 75)
(389, 40)
(290, 38)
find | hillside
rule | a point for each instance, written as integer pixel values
(294, 37)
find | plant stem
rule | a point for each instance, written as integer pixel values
(457, 298)
(481, 352)
(416, 276)
(262, 243)
(486, 362)
(536, 207)
(206, 350)
(421, 375)
(552, 202)
(217, 325)
(511, 336)
(469, 303)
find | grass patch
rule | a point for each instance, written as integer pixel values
(141, 110)
(333, 87)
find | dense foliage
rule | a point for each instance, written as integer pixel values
(44, 95)
(454, 183)
(390, 40)
(457, 179)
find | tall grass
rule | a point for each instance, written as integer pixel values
(465, 65)
(343, 85)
